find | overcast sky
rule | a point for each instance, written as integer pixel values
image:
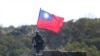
(25, 12)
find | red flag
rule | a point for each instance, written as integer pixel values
(49, 21)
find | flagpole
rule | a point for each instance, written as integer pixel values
(38, 16)
(37, 21)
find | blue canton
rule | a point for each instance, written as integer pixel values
(42, 16)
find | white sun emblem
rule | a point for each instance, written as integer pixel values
(46, 16)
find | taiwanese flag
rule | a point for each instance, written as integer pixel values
(49, 21)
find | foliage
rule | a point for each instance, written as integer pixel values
(80, 35)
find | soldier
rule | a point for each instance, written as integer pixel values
(39, 42)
